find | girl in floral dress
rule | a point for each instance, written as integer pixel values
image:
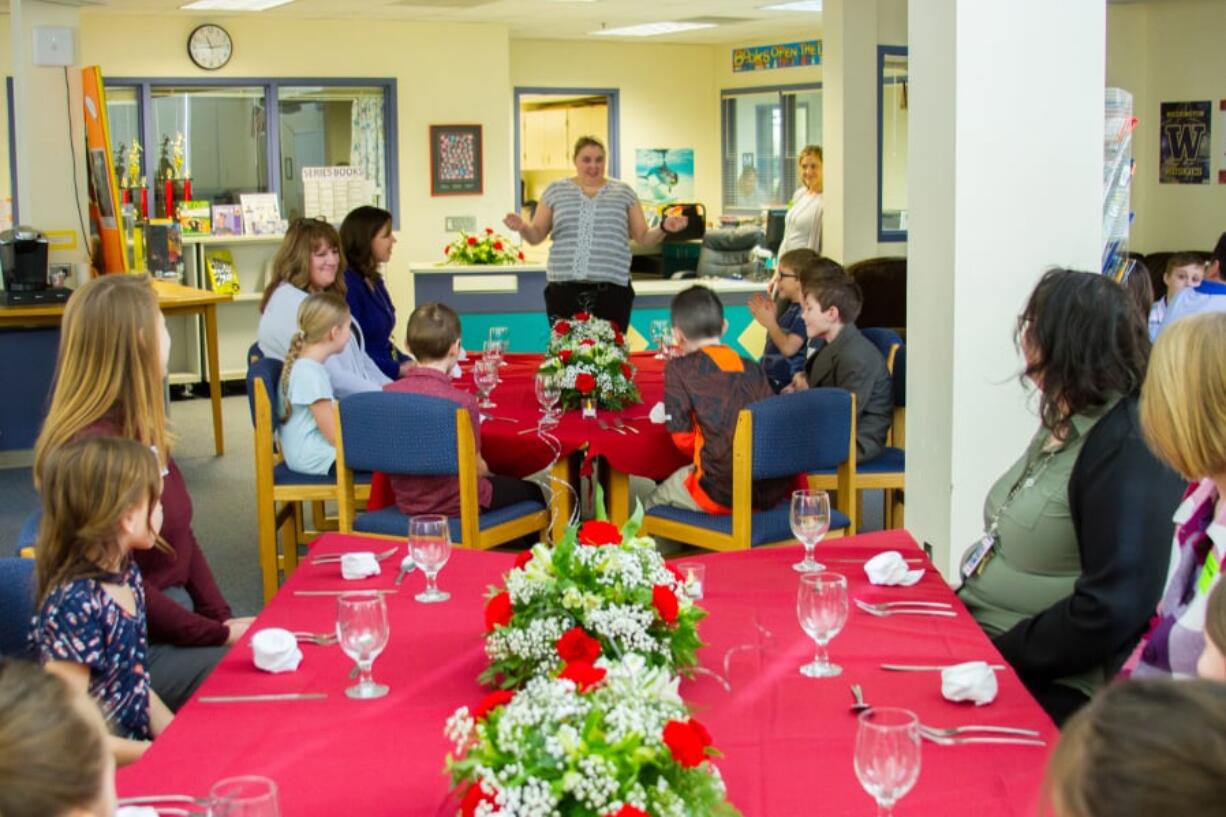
(101, 502)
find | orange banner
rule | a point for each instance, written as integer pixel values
(104, 188)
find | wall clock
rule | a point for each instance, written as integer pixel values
(210, 46)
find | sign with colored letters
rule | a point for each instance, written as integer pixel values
(783, 55)
(1184, 143)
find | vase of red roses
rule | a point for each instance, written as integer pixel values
(592, 360)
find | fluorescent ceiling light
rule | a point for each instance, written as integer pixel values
(798, 5)
(234, 5)
(650, 29)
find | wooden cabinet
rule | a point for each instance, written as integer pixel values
(547, 136)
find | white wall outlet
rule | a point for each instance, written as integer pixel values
(54, 45)
(453, 224)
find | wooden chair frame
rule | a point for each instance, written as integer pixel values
(742, 496)
(471, 534)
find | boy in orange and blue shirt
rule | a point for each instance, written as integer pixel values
(704, 391)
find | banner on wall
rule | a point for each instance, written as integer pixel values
(664, 175)
(104, 189)
(783, 55)
(1184, 143)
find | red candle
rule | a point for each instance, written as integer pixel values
(170, 198)
(144, 202)
(187, 189)
(127, 195)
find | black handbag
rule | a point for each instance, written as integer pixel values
(695, 229)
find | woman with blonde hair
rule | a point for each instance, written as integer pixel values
(308, 261)
(803, 225)
(113, 353)
(1183, 416)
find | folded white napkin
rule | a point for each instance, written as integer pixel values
(136, 811)
(658, 415)
(359, 565)
(972, 681)
(456, 371)
(276, 650)
(891, 568)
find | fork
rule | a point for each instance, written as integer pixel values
(605, 427)
(959, 731)
(151, 799)
(890, 605)
(904, 611)
(618, 424)
(335, 558)
(961, 740)
(320, 639)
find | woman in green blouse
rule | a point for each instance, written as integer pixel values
(1076, 537)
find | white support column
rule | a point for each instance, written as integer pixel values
(849, 129)
(1005, 180)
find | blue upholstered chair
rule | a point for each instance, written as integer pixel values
(399, 433)
(28, 535)
(887, 342)
(777, 437)
(280, 492)
(16, 606)
(887, 471)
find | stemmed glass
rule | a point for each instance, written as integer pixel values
(245, 796)
(491, 350)
(485, 377)
(887, 758)
(501, 336)
(362, 629)
(548, 393)
(661, 334)
(430, 547)
(821, 607)
(810, 518)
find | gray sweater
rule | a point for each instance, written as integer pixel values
(852, 362)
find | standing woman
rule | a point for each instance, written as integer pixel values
(309, 260)
(108, 382)
(592, 219)
(803, 226)
(366, 243)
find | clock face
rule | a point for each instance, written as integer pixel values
(210, 47)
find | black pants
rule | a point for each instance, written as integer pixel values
(509, 490)
(611, 302)
(1059, 701)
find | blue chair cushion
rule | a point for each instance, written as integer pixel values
(889, 461)
(390, 521)
(282, 475)
(882, 338)
(769, 526)
(29, 532)
(800, 432)
(424, 442)
(16, 607)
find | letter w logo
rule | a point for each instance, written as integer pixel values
(1185, 140)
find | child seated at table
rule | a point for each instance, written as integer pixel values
(784, 353)
(308, 430)
(53, 756)
(1183, 270)
(847, 359)
(101, 502)
(433, 339)
(704, 391)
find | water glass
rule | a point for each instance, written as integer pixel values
(246, 796)
(887, 758)
(810, 518)
(491, 351)
(548, 393)
(694, 576)
(821, 607)
(362, 629)
(501, 336)
(485, 378)
(430, 547)
(661, 334)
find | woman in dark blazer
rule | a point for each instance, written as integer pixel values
(366, 242)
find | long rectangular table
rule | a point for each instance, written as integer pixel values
(787, 740)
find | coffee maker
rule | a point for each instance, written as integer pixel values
(23, 260)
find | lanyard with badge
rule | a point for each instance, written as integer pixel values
(979, 556)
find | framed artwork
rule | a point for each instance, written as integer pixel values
(455, 160)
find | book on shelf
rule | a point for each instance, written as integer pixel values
(227, 219)
(195, 218)
(163, 247)
(261, 213)
(223, 277)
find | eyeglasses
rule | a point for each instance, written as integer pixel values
(788, 275)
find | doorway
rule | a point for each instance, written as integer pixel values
(547, 123)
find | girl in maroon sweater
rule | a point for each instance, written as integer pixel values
(108, 381)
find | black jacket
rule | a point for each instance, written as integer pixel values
(1121, 498)
(853, 363)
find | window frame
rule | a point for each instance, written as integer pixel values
(883, 52)
(787, 139)
(272, 86)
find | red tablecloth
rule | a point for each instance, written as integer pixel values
(787, 739)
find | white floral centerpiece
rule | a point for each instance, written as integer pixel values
(591, 357)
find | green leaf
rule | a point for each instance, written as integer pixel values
(635, 522)
(600, 509)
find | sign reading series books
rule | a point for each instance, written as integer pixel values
(1184, 143)
(331, 192)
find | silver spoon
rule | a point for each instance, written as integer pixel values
(859, 705)
(406, 567)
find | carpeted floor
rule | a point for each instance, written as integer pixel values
(223, 496)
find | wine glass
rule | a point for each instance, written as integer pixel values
(245, 796)
(821, 607)
(810, 518)
(491, 350)
(661, 333)
(887, 758)
(485, 377)
(430, 547)
(362, 629)
(500, 335)
(548, 393)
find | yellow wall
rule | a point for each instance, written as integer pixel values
(1170, 52)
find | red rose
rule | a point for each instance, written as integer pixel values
(585, 383)
(617, 327)
(565, 355)
(618, 338)
(521, 256)
(472, 241)
(489, 230)
(628, 810)
(498, 612)
(474, 797)
(598, 532)
(671, 568)
(561, 327)
(627, 372)
(491, 702)
(582, 316)
(587, 342)
(576, 645)
(523, 558)
(447, 250)
(687, 743)
(584, 674)
(498, 245)
(665, 602)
